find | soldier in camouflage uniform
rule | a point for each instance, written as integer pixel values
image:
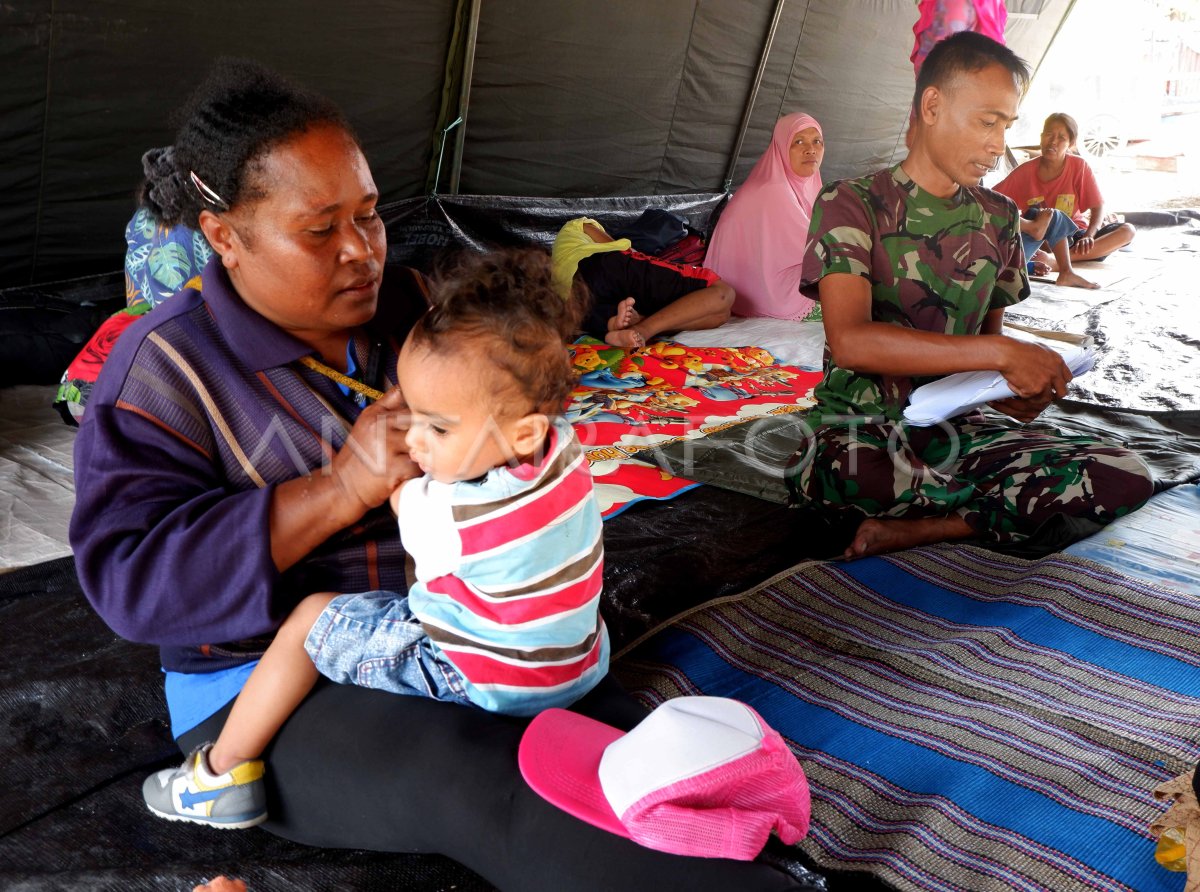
(914, 266)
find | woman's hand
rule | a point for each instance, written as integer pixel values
(374, 459)
(307, 510)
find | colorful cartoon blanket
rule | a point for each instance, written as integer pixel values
(625, 404)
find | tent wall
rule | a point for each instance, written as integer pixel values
(621, 97)
(91, 84)
(568, 98)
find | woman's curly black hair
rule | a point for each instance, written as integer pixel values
(506, 301)
(232, 120)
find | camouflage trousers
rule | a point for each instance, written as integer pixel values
(1004, 481)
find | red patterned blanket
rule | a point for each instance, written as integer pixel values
(626, 403)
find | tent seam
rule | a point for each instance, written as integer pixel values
(449, 90)
(662, 161)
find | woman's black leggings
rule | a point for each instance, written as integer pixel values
(362, 769)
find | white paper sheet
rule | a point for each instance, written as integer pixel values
(961, 392)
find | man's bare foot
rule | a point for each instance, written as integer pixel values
(880, 535)
(1040, 268)
(626, 338)
(1074, 280)
(221, 884)
(624, 317)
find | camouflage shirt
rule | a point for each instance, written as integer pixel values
(935, 264)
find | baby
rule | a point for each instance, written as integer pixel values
(503, 528)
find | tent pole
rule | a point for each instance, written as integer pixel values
(758, 76)
(437, 174)
(464, 96)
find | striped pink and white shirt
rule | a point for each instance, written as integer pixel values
(509, 573)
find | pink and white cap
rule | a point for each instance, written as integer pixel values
(703, 776)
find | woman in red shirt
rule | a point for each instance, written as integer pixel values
(1059, 178)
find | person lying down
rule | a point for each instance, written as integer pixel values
(635, 297)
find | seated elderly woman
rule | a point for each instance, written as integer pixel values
(233, 462)
(758, 245)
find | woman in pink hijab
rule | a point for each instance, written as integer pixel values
(758, 245)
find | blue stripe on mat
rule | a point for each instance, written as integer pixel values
(1121, 854)
(725, 649)
(1033, 623)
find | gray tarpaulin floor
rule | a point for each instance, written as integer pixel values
(36, 486)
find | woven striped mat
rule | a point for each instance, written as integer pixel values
(966, 720)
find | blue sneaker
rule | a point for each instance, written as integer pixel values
(232, 801)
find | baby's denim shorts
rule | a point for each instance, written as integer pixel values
(374, 641)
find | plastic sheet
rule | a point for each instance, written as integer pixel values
(1143, 320)
(1159, 543)
(37, 487)
(42, 327)
(663, 558)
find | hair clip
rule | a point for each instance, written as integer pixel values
(208, 194)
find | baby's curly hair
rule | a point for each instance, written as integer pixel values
(506, 301)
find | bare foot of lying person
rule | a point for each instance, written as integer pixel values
(1074, 280)
(627, 339)
(221, 884)
(880, 535)
(624, 317)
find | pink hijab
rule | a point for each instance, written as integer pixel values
(758, 246)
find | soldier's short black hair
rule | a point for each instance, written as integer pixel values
(967, 51)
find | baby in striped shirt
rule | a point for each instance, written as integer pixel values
(503, 529)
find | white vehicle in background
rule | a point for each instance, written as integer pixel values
(1112, 108)
(1118, 82)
